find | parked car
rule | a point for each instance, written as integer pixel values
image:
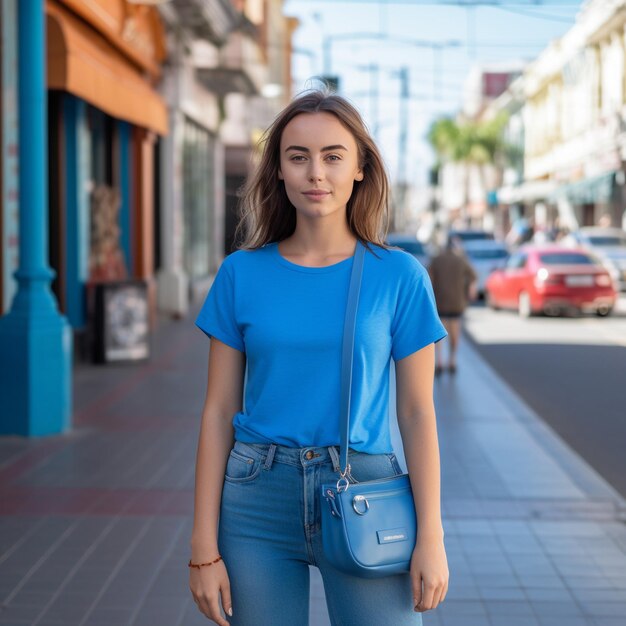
(608, 244)
(485, 256)
(551, 279)
(411, 245)
(465, 236)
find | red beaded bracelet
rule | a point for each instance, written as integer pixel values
(199, 565)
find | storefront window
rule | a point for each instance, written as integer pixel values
(198, 193)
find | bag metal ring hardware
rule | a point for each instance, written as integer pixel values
(356, 502)
(343, 483)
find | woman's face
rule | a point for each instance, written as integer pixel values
(319, 164)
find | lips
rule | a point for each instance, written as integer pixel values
(316, 193)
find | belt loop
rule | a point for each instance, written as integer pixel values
(334, 455)
(269, 459)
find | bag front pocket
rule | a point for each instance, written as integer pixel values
(364, 467)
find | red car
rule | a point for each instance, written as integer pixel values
(551, 279)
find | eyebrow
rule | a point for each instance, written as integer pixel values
(324, 149)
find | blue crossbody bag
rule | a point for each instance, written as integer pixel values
(368, 528)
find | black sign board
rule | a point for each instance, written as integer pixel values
(121, 321)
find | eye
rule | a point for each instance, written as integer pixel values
(333, 157)
(297, 158)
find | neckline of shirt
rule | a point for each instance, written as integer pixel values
(304, 268)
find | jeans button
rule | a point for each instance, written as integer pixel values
(309, 455)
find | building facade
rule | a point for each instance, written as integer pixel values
(227, 76)
(575, 118)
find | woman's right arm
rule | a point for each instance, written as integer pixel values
(224, 398)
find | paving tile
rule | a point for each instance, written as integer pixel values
(462, 592)
(603, 595)
(491, 566)
(580, 583)
(608, 621)
(539, 569)
(511, 620)
(478, 528)
(106, 617)
(502, 593)
(564, 610)
(515, 608)
(456, 607)
(432, 618)
(558, 595)
(617, 582)
(490, 580)
(604, 609)
(166, 613)
(559, 620)
(530, 580)
(460, 620)
(193, 617)
(19, 613)
(67, 612)
(26, 597)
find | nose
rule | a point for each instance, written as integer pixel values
(315, 171)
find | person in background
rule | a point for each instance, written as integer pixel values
(454, 284)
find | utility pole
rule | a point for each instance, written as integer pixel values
(471, 30)
(400, 205)
(437, 71)
(373, 69)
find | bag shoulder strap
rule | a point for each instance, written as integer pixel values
(347, 354)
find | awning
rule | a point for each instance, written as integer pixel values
(83, 63)
(529, 191)
(589, 190)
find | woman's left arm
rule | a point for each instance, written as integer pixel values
(416, 419)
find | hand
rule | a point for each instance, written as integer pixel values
(206, 584)
(429, 573)
(473, 292)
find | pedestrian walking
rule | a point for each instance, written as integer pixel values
(454, 284)
(275, 316)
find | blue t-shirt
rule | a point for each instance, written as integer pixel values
(288, 319)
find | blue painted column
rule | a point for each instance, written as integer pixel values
(77, 208)
(35, 340)
(126, 193)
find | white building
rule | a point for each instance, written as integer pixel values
(575, 116)
(228, 74)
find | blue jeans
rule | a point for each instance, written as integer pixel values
(270, 533)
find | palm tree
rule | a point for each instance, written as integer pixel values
(470, 143)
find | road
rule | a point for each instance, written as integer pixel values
(571, 371)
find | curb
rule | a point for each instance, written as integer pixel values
(574, 465)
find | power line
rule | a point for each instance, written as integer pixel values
(459, 3)
(540, 16)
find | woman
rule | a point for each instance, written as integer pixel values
(277, 307)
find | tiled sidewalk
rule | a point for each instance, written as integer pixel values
(94, 526)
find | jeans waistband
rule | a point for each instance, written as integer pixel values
(309, 455)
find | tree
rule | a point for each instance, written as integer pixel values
(470, 143)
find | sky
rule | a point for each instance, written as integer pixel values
(507, 31)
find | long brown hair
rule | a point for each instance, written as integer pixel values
(267, 215)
